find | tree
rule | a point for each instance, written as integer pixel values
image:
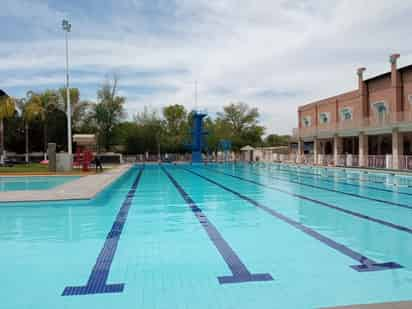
(7, 110)
(122, 131)
(27, 117)
(243, 123)
(276, 140)
(108, 111)
(175, 127)
(217, 130)
(175, 118)
(40, 105)
(149, 131)
(240, 116)
(78, 108)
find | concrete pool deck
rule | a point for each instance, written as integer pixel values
(394, 305)
(84, 188)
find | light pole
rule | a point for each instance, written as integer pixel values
(66, 28)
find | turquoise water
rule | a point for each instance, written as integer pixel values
(23, 183)
(146, 233)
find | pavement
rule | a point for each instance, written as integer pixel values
(84, 188)
(395, 305)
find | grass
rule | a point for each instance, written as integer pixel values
(40, 169)
(25, 168)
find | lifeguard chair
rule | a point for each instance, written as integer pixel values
(85, 147)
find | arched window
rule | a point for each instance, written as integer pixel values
(324, 117)
(346, 114)
(307, 121)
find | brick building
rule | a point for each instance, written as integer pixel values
(367, 127)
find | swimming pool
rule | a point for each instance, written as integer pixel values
(215, 236)
(25, 183)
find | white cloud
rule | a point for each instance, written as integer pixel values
(292, 51)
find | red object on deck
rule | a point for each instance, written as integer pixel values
(87, 159)
(83, 158)
(78, 157)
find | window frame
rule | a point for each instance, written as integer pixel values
(342, 113)
(307, 121)
(378, 104)
(327, 114)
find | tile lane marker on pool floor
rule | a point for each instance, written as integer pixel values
(335, 191)
(97, 282)
(366, 263)
(240, 273)
(321, 177)
(324, 204)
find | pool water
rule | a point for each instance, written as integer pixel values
(25, 183)
(216, 236)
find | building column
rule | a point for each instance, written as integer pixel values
(301, 150)
(337, 148)
(397, 148)
(396, 88)
(363, 150)
(379, 144)
(363, 93)
(316, 150)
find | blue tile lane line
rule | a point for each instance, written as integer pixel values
(366, 264)
(240, 273)
(324, 204)
(321, 177)
(336, 191)
(97, 283)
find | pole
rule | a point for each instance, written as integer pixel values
(196, 94)
(69, 113)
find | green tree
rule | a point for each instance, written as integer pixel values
(78, 108)
(276, 140)
(175, 118)
(217, 130)
(27, 116)
(108, 111)
(41, 105)
(122, 131)
(149, 131)
(240, 116)
(243, 123)
(7, 110)
(175, 127)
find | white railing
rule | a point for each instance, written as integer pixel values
(288, 158)
(325, 160)
(405, 162)
(349, 160)
(308, 159)
(340, 160)
(352, 160)
(380, 161)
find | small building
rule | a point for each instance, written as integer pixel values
(85, 140)
(247, 153)
(266, 154)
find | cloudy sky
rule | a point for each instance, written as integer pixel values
(272, 54)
